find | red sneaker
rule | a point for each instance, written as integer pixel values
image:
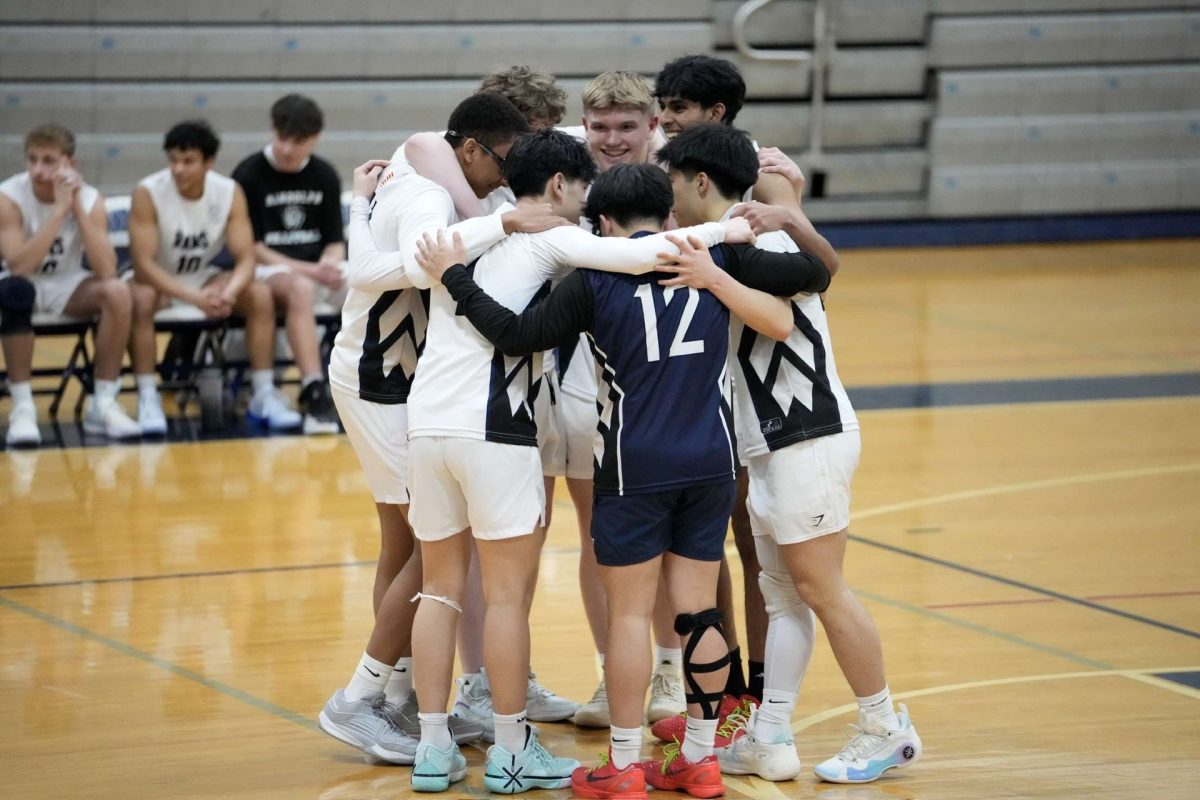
(733, 725)
(606, 782)
(672, 729)
(699, 779)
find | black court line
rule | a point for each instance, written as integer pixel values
(1066, 598)
(171, 576)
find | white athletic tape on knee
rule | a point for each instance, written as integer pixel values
(446, 601)
(779, 594)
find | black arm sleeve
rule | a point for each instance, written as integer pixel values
(781, 274)
(564, 313)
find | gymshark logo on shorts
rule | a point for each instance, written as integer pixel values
(817, 519)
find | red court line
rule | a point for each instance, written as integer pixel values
(1029, 600)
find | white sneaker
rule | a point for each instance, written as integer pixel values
(749, 755)
(594, 713)
(22, 426)
(473, 702)
(107, 418)
(269, 407)
(543, 705)
(872, 751)
(666, 693)
(150, 415)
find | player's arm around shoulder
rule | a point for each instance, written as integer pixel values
(694, 267)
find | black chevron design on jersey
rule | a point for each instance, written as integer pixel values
(512, 389)
(391, 386)
(782, 426)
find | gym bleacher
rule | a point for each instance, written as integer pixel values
(933, 110)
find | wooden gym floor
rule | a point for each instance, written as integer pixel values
(172, 616)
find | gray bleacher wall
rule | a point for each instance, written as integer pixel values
(935, 108)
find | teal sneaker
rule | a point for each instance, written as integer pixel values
(872, 752)
(532, 768)
(434, 770)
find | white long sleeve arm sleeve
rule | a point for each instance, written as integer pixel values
(575, 247)
(374, 271)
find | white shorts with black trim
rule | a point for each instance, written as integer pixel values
(579, 418)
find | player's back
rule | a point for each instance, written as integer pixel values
(665, 412)
(466, 387)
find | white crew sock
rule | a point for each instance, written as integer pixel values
(263, 380)
(668, 655)
(625, 744)
(370, 677)
(435, 730)
(773, 720)
(698, 739)
(878, 709)
(511, 731)
(147, 385)
(21, 392)
(400, 683)
(106, 391)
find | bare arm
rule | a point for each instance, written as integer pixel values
(93, 230)
(143, 247)
(769, 315)
(432, 157)
(780, 185)
(23, 256)
(239, 239)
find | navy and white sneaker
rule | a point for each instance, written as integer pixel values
(873, 751)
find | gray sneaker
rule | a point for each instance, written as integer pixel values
(543, 705)
(473, 703)
(366, 725)
(404, 717)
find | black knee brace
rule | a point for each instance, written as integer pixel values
(694, 626)
(16, 305)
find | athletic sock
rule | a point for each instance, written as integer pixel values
(307, 379)
(511, 731)
(435, 730)
(754, 687)
(626, 745)
(370, 677)
(773, 720)
(147, 385)
(106, 391)
(668, 655)
(263, 380)
(735, 684)
(878, 709)
(21, 392)
(698, 739)
(400, 683)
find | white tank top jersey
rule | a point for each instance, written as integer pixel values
(466, 388)
(787, 392)
(190, 232)
(66, 252)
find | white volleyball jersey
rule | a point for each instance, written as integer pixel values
(190, 232)
(384, 317)
(467, 388)
(64, 261)
(787, 392)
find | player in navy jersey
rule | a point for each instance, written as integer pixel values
(665, 452)
(800, 438)
(693, 90)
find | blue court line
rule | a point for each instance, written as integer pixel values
(1191, 679)
(956, 232)
(1066, 598)
(198, 574)
(1050, 390)
(160, 663)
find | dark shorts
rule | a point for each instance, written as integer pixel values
(689, 522)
